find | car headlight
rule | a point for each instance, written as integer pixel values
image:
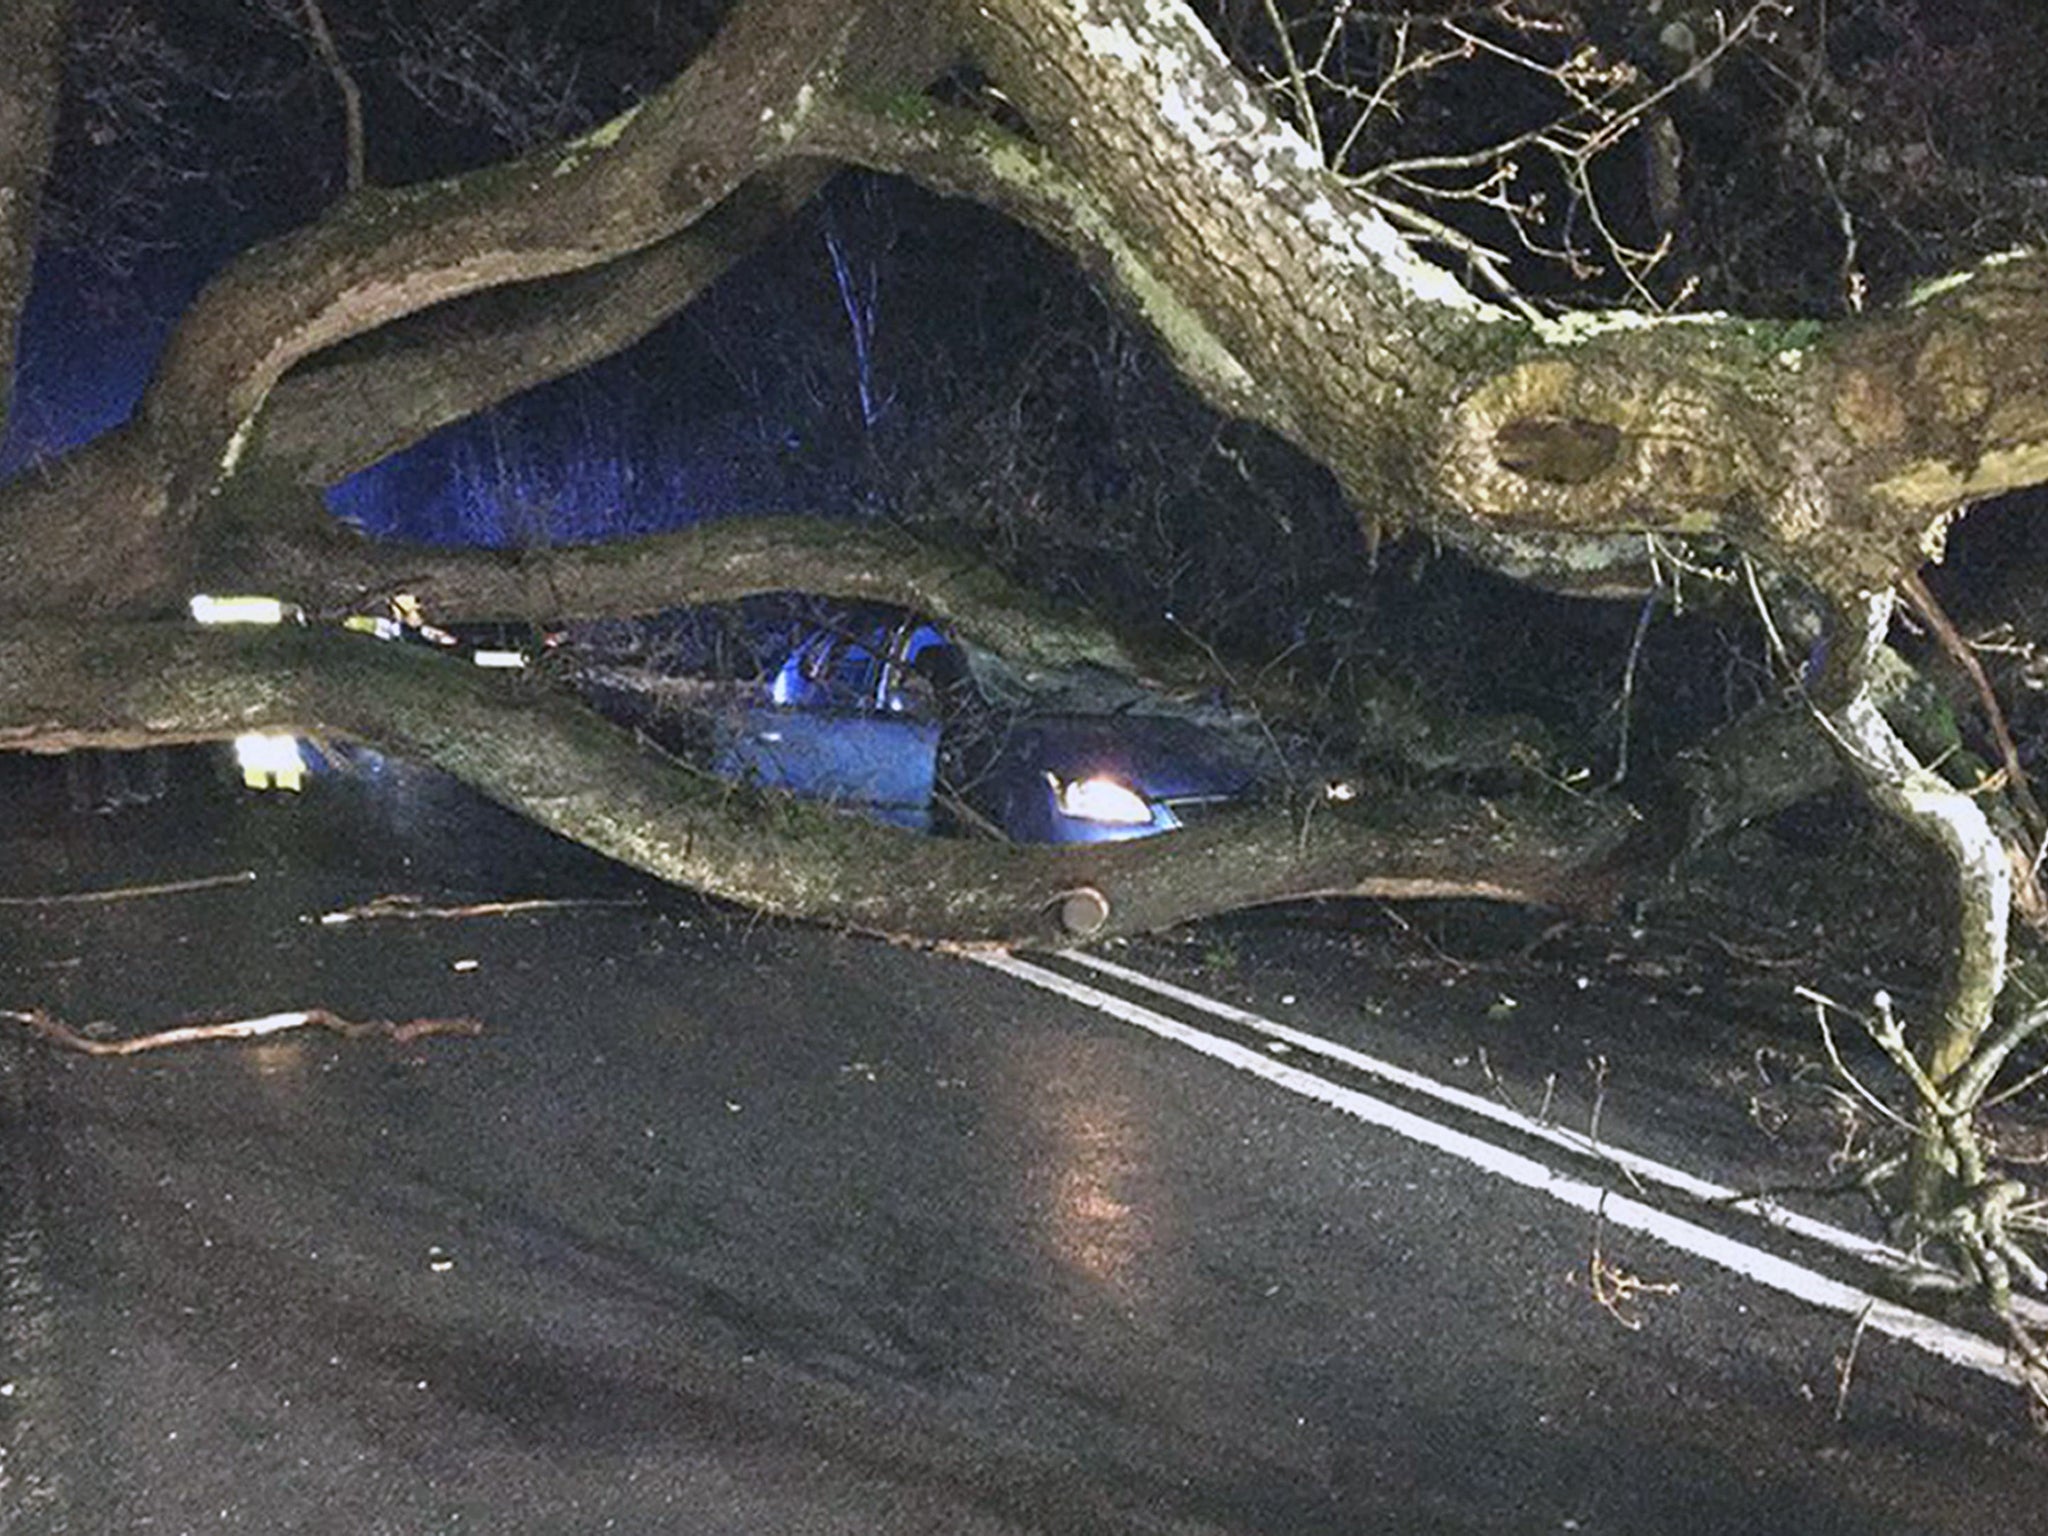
(1100, 799)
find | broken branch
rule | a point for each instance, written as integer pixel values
(131, 892)
(412, 908)
(45, 1026)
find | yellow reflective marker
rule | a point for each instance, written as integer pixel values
(270, 760)
(207, 609)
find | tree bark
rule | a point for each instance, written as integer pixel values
(31, 66)
(378, 394)
(331, 571)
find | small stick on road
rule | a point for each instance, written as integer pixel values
(130, 892)
(58, 1033)
(1615, 1288)
(412, 908)
(1845, 1365)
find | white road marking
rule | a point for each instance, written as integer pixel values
(1646, 1169)
(1956, 1345)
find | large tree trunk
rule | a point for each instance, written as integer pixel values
(1839, 453)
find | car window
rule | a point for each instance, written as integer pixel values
(924, 664)
(895, 667)
(837, 671)
(855, 675)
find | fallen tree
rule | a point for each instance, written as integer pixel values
(1825, 460)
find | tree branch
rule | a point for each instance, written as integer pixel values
(1940, 813)
(383, 255)
(332, 571)
(45, 1026)
(546, 756)
(377, 395)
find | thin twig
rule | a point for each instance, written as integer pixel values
(1614, 1287)
(321, 41)
(1488, 264)
(1625, 704)
(1297, 81)
(1821, 1005)
(2006, 1095)
(1845, 1368)
(1779, 650)
(131, 892)
(1975, 1078)
(411, 908)
(1598, 1066)
(56, 1032)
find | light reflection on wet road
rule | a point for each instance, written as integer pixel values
(723, 1226)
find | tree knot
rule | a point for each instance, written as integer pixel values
(1559, 450)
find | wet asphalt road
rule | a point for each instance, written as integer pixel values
(724, 1226)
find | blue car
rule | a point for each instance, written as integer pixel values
(885, 714)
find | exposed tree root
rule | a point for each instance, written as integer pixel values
(55, 1031)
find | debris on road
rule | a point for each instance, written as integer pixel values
(55, 1031)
